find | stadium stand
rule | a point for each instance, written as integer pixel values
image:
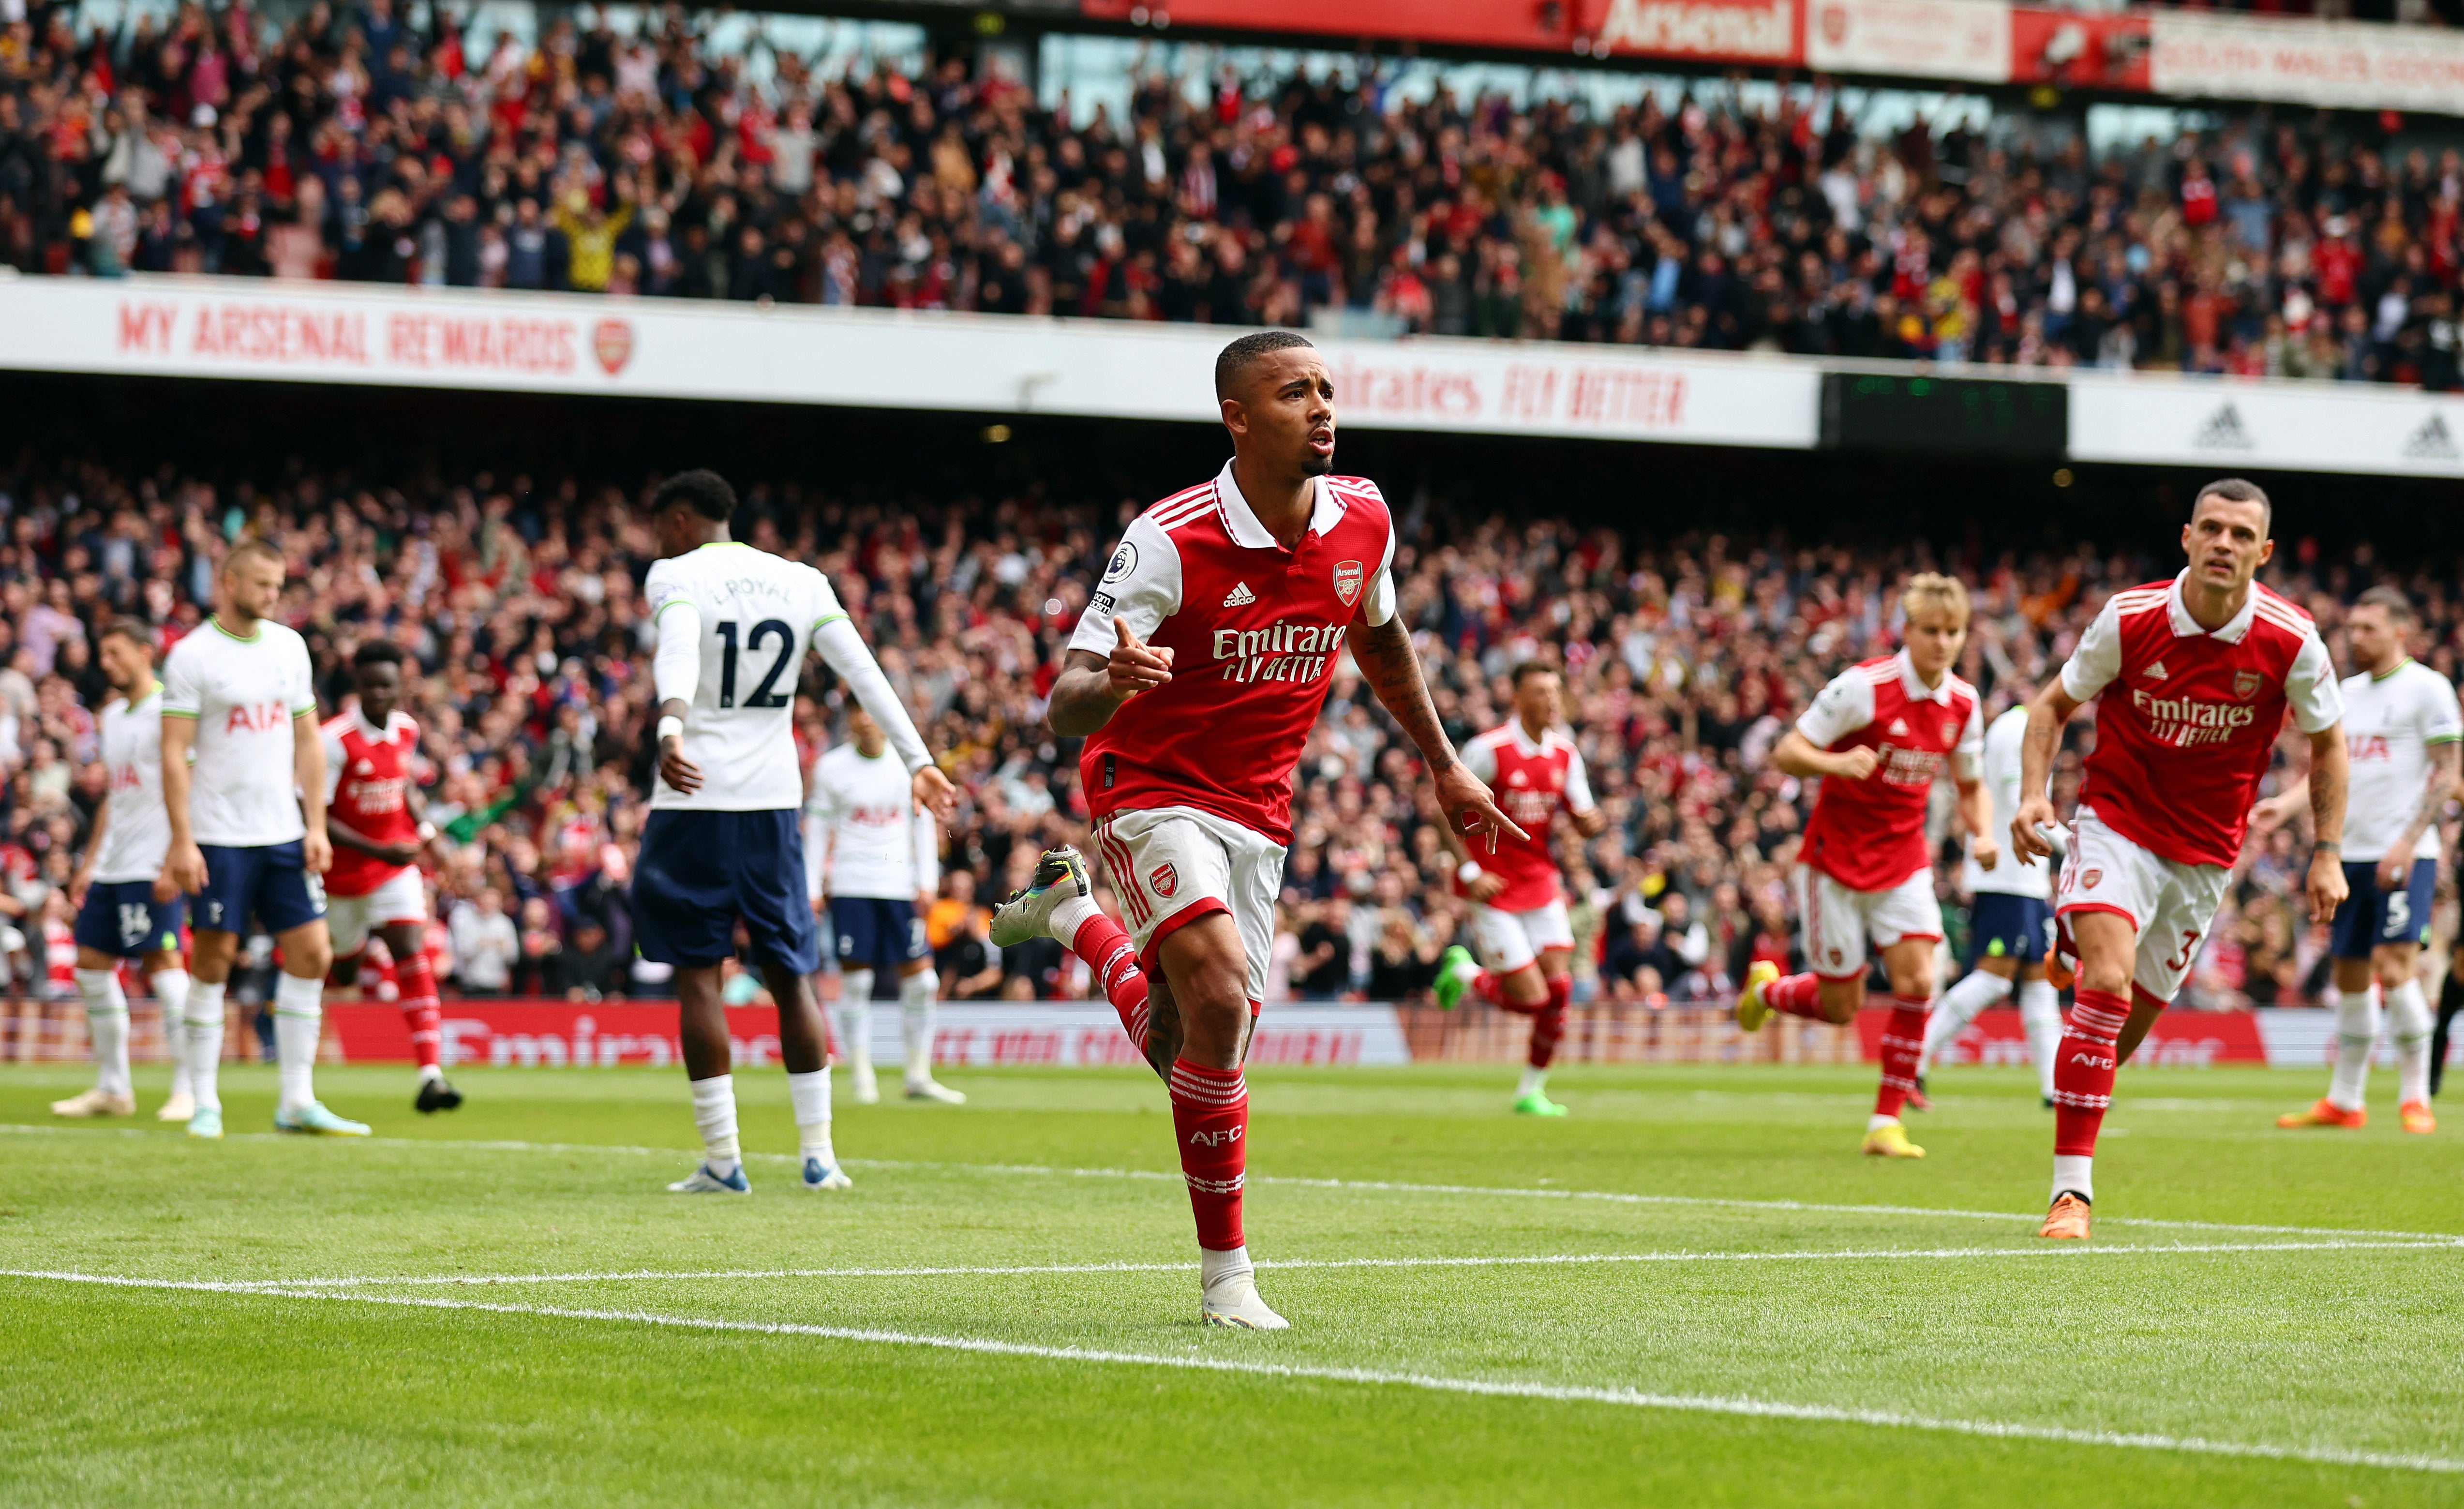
(348, 144)
(519, 596)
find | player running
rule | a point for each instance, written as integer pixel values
(1878, 735)
(883, 862)
(127, 909)
(1518, 903)
(1195, 676)
(2011, 924)
(248, 829)
(372, 812)
(2197, 675)
(721, 843)
(2401, 728)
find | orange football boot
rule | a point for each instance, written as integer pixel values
(2418, 1118)
(2067, 1220)
(2323, 1114)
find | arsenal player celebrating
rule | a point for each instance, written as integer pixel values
(1195, 674)
(1518, 904)
(375, 884)
(1878, 735)
(2197, 676)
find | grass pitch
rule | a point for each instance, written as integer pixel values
(1691, 1291)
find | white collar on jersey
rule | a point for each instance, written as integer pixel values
(2186, 626)
(1525, 743)
(359, 721)
(1914, 684)
(1241, 521)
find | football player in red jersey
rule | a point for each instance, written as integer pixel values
(1195, 676)
(1518, 903)
(1878, 735)
(2192, 680)
(372, 811)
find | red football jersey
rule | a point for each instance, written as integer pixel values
(2188, 720)
(1254, 631)
(1533, 780)
(1869, 835)
(367, 782)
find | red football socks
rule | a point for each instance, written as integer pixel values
(1549, 1023)
(2083, 1073)
(1210, 1118)
(420, 1009)
(1797, 995)
(1114, 961)
(1902, 1040)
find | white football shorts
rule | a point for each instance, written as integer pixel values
(1171, 866)
(1509, 940)
(1837, 923)
(350, 919)
(2172, 903)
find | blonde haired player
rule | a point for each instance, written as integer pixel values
(1878, 735)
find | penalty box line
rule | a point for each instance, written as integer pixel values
(1295, 1181)
(1478, 1387)
(1309, 1264)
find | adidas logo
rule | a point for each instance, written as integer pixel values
(1240, 597)
(2155, 672)
(1900, 726)
(2223, 431)
(2431, 441)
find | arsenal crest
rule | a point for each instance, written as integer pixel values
(2245, 682)
(1347, 582)
(612, 341)
(1165, 880)
(2089, 878)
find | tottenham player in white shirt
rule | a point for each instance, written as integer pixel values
(127, 909)
(722, 845)
(2011, 924)
(247, 828)
(883, 863)
(2401, 733)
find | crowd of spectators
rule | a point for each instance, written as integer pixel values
(518, 600)
(346, 144)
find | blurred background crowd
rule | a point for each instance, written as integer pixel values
(518, 598)
(648, 159)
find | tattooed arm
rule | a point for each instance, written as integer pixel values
(2435, 794)
(2329, 765)
(1383, 651)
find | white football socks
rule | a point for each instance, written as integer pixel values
(1956, 1009)
(855, 1019)
(106, 1024)
(2040, 1016)
(810, 1095)
(1216, 1268)
(714, 1107)
(2357, 1033)
(2076, 1173)
(203, 1018)
(171, 994)
(916, 994)
(298, 1019)
(2408, 1023)
(1069, 914)
(1534, 1080)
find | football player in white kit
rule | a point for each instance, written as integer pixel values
(882, 864)
(2011, 925)
(127, 909)
(722, 845)
(248, 829)
(2401, 733)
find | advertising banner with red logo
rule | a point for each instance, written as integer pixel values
(2180, 1039)
(869, 358)
(1966, 39)
(2353, 64)
(1767, 32)
(1515, 24)
(606, 1035)
(2079, 49)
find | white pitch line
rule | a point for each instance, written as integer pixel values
(1505, 1261)
(1377, 1185)
(1482, 1388)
